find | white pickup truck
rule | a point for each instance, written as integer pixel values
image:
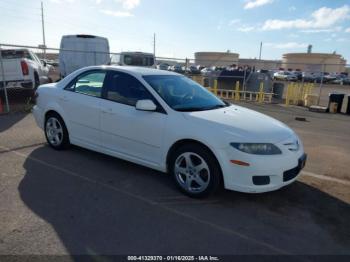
(22, 69)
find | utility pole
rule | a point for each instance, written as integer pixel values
(154, 48)
(154, 44)
(43, 28)
(260, 50)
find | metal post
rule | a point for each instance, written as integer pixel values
(244, 78)
(321, 84)
(4, 82)
(43, 28)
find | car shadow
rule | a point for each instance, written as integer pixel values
(102, 205)
(8, 120)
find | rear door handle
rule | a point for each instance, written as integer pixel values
(107, 111)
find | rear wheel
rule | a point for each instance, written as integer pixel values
(195, 170)
(56, 132)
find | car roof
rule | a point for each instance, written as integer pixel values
(135, 70)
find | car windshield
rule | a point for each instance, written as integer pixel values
(183, 94)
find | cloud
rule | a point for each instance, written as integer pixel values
(328, 30)
(62, 1)
(321, 18)
(342, 40)
(234, 22)
(289, 45)
(256, 3)
(116, 13)
(347, 30)
(129, 4)
(293, 35)
(245, 28)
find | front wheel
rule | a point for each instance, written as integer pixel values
(56, 132)
(195, 170)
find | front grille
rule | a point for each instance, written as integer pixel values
(261, 180)
(291, 174)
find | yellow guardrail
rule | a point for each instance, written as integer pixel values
(297, 92)
(236, 93)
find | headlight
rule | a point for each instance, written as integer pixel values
(257, 148)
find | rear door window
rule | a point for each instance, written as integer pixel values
(89, 83)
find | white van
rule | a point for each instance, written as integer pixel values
(78, 51)
(133, 59)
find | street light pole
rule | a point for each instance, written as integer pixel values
(260, 50)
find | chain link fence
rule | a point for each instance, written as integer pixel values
(24, 68)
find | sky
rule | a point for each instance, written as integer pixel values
(183, 27)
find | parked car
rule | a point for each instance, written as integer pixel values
(308, 77)
(133, 59)
(178, 68)
(153, 117)
(163, 66)
(285, 76)
(207, 71)
(329, 78)
(78, 51)
(346, 81)
(298, 74)
(22, 69)
(194, 70)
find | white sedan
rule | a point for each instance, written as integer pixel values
(167, 122)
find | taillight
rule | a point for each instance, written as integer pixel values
(25, 68)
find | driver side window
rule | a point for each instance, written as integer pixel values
(125, 89)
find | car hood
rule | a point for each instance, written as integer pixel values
(242, 124)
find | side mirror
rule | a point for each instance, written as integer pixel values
(145, 105)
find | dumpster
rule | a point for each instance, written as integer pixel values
(336, 98)
(348, 106)
(278, 89)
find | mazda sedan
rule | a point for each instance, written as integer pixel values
(168, 122)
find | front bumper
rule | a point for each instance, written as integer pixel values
(264, 174)
(39, 116)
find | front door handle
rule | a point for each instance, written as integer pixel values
(107, 110)
(64, 98)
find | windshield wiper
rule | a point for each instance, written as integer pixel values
(190, 109)
(214, 107)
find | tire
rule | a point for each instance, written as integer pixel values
(36, 81)
(195, 170)
(56, 132)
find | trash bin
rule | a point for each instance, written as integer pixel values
(348, 106)
(336, 98)
(278, 89)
